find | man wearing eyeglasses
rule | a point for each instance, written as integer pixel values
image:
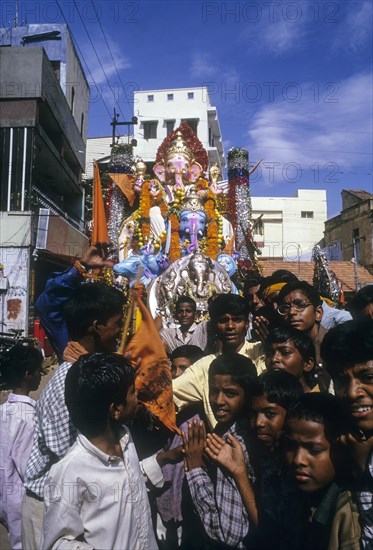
(301, 308)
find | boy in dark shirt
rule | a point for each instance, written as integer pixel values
(330, 518)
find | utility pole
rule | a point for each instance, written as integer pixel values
(354, 261)
(114, 123)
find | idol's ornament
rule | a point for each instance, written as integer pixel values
(178, 234)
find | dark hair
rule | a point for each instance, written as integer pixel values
(228, 303)
(279, 387)
(361, 300)
(185, 300)
(252, 279)
(283, 276)
(301, 341)
(193, 353)
(304, 287)
(92, 384)
(348, 344)
(91, 302)
(240, 368)
(15, 362)
(322, 408)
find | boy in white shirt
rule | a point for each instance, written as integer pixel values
(95, 497)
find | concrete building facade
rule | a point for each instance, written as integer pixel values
(160, 112)
(350, 234)
(42, 137)
(289, 227)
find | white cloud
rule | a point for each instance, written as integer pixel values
(95, 72)
(355, 31)
(202, 66)
(309, 132)
(281, 27)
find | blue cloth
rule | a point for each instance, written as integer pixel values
(49, 306)
(332, 316)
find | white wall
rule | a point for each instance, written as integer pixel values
(161, 109)
(286, 233)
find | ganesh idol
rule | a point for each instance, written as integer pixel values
(178, 211)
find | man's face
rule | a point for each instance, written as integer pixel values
(226, 398)
(307, 454)
(253, 298)
(109, 333)
(179, 366)
(266, 420)
(305, 318)
(285, 356)
(231, 330)
(354, 386)
(185, 314)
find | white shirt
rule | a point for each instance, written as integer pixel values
(16, 437)
(195, 336)
(99, 499)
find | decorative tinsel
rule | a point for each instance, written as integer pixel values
(118, 208)
(239, 199)
(119, 211)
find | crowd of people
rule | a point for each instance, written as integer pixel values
(274, 442)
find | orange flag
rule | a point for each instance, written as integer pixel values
(125, 184)
(153, 380)
(99, 232)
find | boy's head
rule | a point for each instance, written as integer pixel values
(251, 289)
(95, 310)
(270, 286)
(300, 305)
(290, 350)
(229, 314)
(21, 366)
(99, 388)
(347, 351)
(361, 304)
(312, 424)
(182, 357)
(272, 394)
(185, 311)
(230, 379)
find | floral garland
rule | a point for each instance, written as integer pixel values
(212, 245)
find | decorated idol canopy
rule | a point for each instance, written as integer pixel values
(187, 233)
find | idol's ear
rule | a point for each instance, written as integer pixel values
(160, 171)
(195, 171)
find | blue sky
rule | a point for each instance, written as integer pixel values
(292, 81)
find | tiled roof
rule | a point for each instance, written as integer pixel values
(304, 271)
(363, 195)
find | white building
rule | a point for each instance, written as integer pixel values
(160, 112)
(289, 226)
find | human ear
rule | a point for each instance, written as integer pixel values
(114, 411)
(309, 365)
(319, 313)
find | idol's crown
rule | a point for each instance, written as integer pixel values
(178, 147)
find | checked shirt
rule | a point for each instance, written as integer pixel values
(54, 433)
(219, 503)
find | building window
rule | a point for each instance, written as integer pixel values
(170, 125)
(150, 130)
(192, 122)
(259, 228)
(150, 98)
(72, 99)
(306, 214)
(81, 124)
(190, 95)
(170, 97)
